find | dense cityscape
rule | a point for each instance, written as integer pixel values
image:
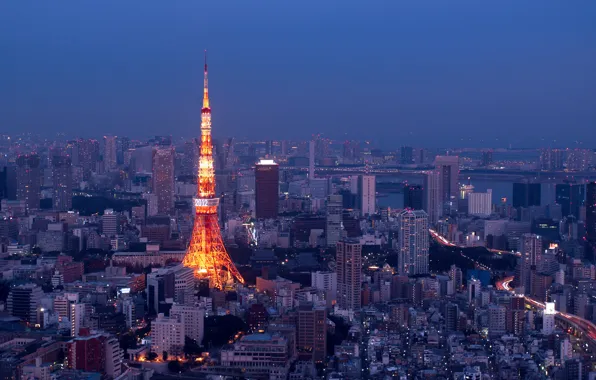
(331, 191)
(129, 259)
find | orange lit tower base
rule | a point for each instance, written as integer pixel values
(206, 252)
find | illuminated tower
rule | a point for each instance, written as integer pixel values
(206, 252)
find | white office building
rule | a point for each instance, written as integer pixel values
(548, 318)
(326, 281)
(193, 318)
(480, 204)
(167, 335)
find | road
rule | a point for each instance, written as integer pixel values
(585, 326)
(441, 240)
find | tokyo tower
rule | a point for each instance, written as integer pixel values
(206, 252)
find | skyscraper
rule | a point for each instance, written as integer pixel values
(448, 168)
(110, 156)
(62, 180)
(191, 157)
(531, 250)
(552, 159)
(487, 157)
(526, 194)
(571, 197)
(163, 178)
(122, 145)
(413, 242)
(266, 189)
(349, 274)
(406, 155)
(334, 216)
(413, 197)
(311, 159)
(591, 211)
(432, 196)
(85, 154)
(367, 196)
(28, 180)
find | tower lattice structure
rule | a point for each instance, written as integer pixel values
(206, 252)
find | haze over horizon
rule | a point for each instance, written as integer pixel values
(427, 74)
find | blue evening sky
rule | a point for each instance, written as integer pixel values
(420, 72)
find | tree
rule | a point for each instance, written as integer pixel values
(220, 329)
(175, 366)
(151, 356)
(191, 347)
(164, 355)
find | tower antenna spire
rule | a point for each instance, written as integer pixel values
(205, 86)
(206, 252)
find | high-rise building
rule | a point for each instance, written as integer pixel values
(85, 154)
(448, 168)
(487, 158)
(474, 289)
(62, 182)
(87, 353)
(497, 320)
(526, 194)
(548, 318)
(451, 316)
(256, 317)
(122, 145)
(432, 196)
(531, 249)
(193, 319)
(480, 204)
(579, 159)
(8, 183)
(77, 317)
(167, 335)
(266, 189)
(367, 195)
(591, 211)
(406, 154)
(312, 332)
(349, 274)
(334, 219)
(206, 253)
(163, 178)
(413, 197)
(191, 157)
(109, 223)
(325, 281)
(456, 275)
(571, 197)
(516, 315)
(24, 301)
(311, 159)
(29, 180)
(175, 282)
(552, 159)
(110, 155)
(413, 242)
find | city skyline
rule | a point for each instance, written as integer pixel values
(327, 236)
(432, 76)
